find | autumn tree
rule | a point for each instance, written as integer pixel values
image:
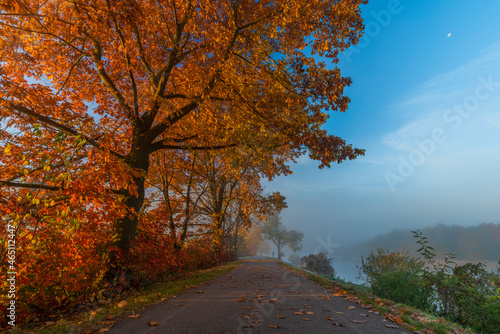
(174, 181)
(116, 81)
(217, 192)
(233, 192)
(280, 236)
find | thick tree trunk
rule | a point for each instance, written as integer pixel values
(125, 228)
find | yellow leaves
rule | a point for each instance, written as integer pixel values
(7, 149)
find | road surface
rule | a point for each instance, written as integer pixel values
(257, 297)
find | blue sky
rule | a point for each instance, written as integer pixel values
(425, 104)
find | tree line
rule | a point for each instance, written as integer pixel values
(473, 243)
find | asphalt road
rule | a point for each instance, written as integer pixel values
(257, 297)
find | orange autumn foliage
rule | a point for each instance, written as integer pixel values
(91, 90)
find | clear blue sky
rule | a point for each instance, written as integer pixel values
(425, 104)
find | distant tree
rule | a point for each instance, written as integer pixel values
(319, 263)
(274, 231)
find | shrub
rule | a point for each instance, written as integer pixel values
(319, 263)
(471, 295)
(468, 294)
(398, 276)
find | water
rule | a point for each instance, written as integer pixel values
(347, 271)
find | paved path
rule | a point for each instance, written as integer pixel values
(258, 297)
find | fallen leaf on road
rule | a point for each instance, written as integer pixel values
(339, 312)
(122, 303)
(248, 326)
(304, 298)
(325, 297)
(359, 321)
(306, 319)
(280, 316)
(134, 316)
(298, 313)
(152, 323)
(199, 291)
(391, 326)
(242, 300)
(247, 307)
(179, 305)
(338, 324)
(243, 296)
(310, 313)
(351, 308)
(364, 315)
(329, 318)
(273, 326)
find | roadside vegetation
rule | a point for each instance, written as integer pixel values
(423, 294)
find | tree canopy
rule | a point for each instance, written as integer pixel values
(91, 89)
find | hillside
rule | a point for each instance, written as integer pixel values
(472, 243)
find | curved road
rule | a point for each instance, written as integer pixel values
(257, 297)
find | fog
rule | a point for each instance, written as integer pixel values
(425, 106)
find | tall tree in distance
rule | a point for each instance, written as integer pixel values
(280, 236)
(114, 81)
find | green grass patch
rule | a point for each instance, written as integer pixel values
(131, 302)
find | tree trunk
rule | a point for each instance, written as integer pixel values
(125, 228)
(278, 245)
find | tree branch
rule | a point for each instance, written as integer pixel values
(47, 187)
(161, 146)
(44, 119)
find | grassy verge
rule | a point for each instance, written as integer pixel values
(406, 316)
(129, 304)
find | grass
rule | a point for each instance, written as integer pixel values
(405, 316)
(129, 303)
